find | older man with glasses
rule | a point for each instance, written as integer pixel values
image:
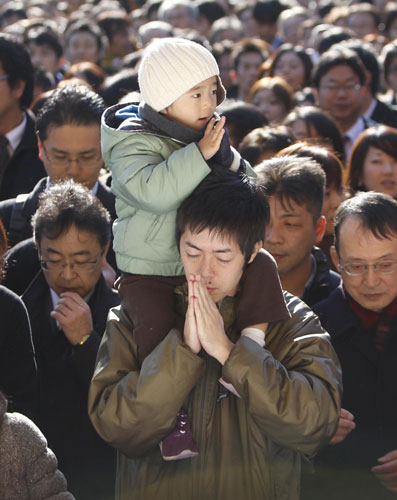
(361, 317)
(68, 302)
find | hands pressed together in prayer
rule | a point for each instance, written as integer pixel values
(204, 327)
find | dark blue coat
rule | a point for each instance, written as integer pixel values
(343, 471)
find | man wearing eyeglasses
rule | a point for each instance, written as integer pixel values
(361, 317)
(68, 135)
(339, 79)
(68, 302)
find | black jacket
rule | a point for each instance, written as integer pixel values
(384, 114)
(25, 168)
(18, 371)
(324, 280)
(370, 393)
(64, 373)
(29, 207)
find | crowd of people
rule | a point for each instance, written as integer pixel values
(198, 245)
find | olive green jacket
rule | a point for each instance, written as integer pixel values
(249, 447)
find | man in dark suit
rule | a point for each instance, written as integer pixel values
(361, 318)
(20, 165)
(372, 107)
(68, 302)
(69, 144)
(68, 128)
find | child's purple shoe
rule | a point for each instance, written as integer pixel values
(179, 443)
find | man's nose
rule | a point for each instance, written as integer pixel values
(206, 268)
(68, 272)
(272, 234)
(371, 277)
(73, 168)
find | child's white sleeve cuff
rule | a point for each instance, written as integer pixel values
(254, 334)
(236, 160)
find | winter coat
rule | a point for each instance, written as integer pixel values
(249, 447)
(154, 168)
(28, 469)
(343, 471)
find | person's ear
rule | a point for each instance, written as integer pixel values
(105, 251)
(320, 229)
(40, 146)
(258, 245)
(18, 88)
(334, 256)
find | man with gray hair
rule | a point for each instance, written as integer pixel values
(361, 317)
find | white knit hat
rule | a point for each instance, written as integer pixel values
(172, 66)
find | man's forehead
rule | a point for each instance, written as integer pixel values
(339, 71)
(71, 241)
(73, 138)
(286, 205)
(216, 238)
(354, 237)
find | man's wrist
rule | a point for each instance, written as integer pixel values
(224, 352)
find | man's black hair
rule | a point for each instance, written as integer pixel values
(241, 118)
(268, 11)
(69, 203)
(377, 213)
(369, 58)
(16, 63)
(69, 105)
(333, 36)
(263, 139)
(338, 56)
(42, 37)
(291, 178)
(228, 204)
(211, 10)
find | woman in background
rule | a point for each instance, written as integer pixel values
(273, 97)
(373, 162)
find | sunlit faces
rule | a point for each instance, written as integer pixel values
(290, 67)
(340, 93)
(291, 234)
(272, 107)
(72, 151)
(380, 172)
(82, 46)
(74, 245)
(196, 106)
(247, 70)
(372, 290)
(217, 258)
(44, 56)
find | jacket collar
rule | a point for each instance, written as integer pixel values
(335, 313)
(171, 128)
